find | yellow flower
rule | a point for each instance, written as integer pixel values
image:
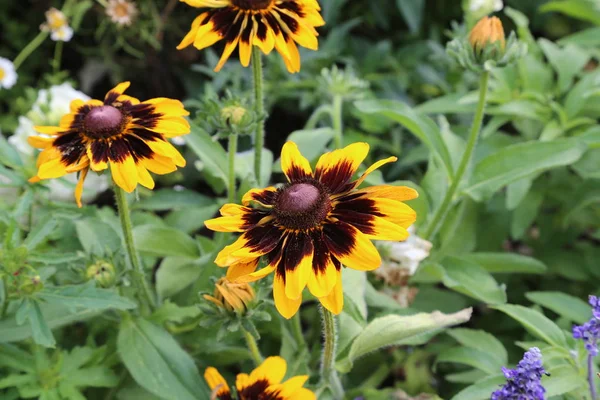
(268, 24)
(121, 132)
(262, 383)
(487, 31)
(311, 226)
(232, 296)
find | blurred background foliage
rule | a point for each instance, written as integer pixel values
(525, 232)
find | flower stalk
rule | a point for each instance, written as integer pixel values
(259, 104)
(30, 48)
(591, 376)
(336, 114)
(144, 293)
(232, 150)
(253, 347)
(329, 376)
(442, 211)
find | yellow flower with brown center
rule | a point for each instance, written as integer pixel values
(262, 383)
(121, 132)
(311, 226)
(232, 296)
(268, 24)
(487, 31)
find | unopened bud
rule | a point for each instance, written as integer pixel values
(102, 272)
(31, 285)
(233, 115)
(488, 31)
(232, 296)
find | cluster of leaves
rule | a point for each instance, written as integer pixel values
(519, 245)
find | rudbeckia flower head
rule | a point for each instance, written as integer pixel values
(233, 297)
(312, 225)
(120, 132)
(268, 24)
(265, 382)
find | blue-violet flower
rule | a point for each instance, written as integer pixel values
(524, 382)
(590, 331)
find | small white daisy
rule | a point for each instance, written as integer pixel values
(121, 12)
(8, 75)
(58, 25)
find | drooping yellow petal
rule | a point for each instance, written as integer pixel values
(79, 187)
(373, 168)
(216, 381)
(144, 177)
(125, 174)
(287, 307)
(334, 302)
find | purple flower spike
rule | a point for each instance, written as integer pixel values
(524, 382)
(590, 331)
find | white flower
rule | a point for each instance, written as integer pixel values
(402, 259)
(8, 75)
(121, 12)
(486, 6)
(58, 26)
(49, 107)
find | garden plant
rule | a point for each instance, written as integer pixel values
(299, 199)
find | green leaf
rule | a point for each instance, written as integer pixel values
(422, 127)
(572, 308)
(171, 312)
(157, 362)
(563, 379)
(97, 237)
(479, 359)
(584, 10)
(481, 340)
(519, 161)
(40, 232)
(29, 310)
(244, 166)
(163, 241)
(481, 390)
(535, 323)
(396, 330)
(9, 155)
(169, 199)
(470, 279)
(507, 263)
(177, 273)
(210, 152)
(56, 315)
(567, 61)
(412, 11)
(87, 297)
(191, 219)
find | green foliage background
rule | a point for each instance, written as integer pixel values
(520, 244)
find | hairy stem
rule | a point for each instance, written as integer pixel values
(259, 104)
(30, 48)
(253, 347)
(442, 211)
(232, 149)
(329, 376)
(336, 114)
(144, 293)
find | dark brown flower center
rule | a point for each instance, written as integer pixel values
(103, 122)
(302, 205)
(252, 4)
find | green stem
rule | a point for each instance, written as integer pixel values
(253, 347)
(329, 374)
(5, 299)
(259, 104)
(30, 48)
(144, 292)
(316, 116)
(232, 148)
(441, 212)
(297, 330)
(57, 56)
(336, 114)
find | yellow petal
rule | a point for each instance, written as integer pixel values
(159, 165)
(291, 386)
(373, 168)
(79, 186)
(351, 247)
(216, 381)
(40, 142)
(125, 174)
(242, 381)
(293, 163)
(302, 394)
(398, 193)
(234, 223)
(320, 284)
(96, 166)
(52, 169)
(272, 370)
(287, 307)
(335, 169)
(235, 271)
(334, 302)
(120, 88)
(171, 126)
(144, 177)
(264, 197)
(297, 276)
(50, 130)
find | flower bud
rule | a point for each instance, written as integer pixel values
(31, 285)
(488, 31)
(233, 297)
(233, 115)
(102, 272)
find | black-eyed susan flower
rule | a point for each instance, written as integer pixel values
(120, 132)
(268, 24)
(264, 383)
(232, 296)
(311, 226)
